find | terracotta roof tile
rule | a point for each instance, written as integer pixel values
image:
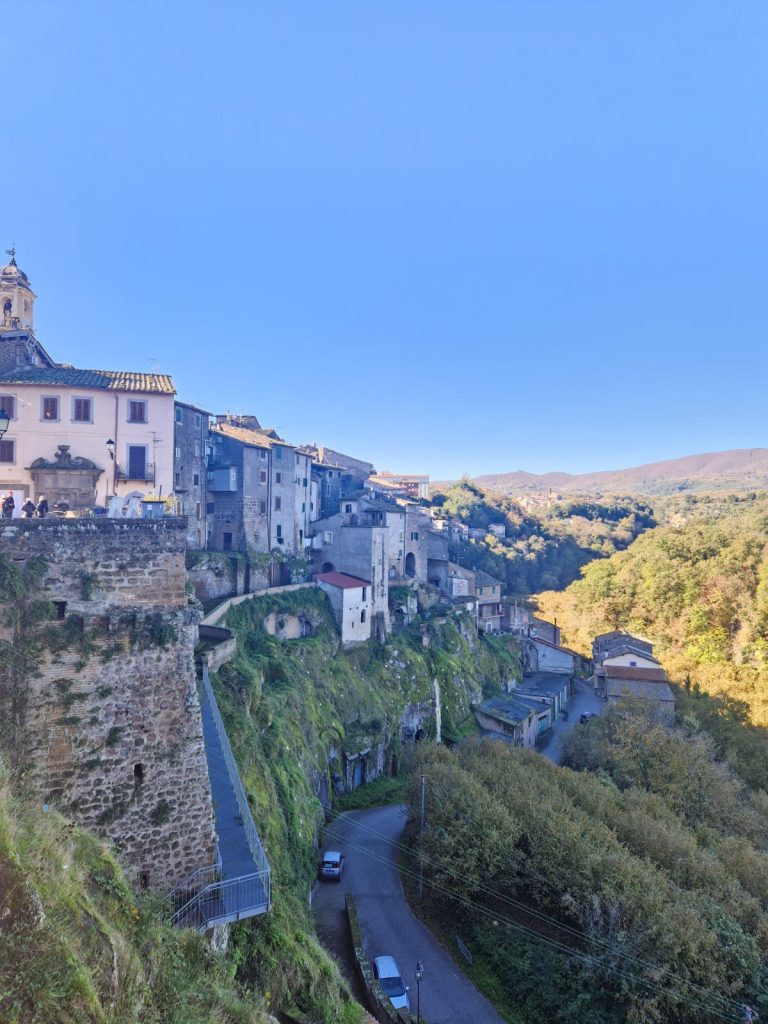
(110, 380)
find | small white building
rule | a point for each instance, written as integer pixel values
(350, 599)
(543, 656)
(630, 657)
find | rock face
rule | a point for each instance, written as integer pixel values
(105, 712)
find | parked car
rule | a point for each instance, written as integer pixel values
(332, 865)
(386, 970)
(585, 716)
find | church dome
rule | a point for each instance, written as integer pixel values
(12, 269)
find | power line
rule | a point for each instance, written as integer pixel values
(554, 943)
(487, 890)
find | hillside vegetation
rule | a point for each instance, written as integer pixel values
(545, 551)
(636, 891)
(699, 591)
(78, 946)
(292, 709)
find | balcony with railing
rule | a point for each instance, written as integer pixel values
(238, 884)
(141, 471)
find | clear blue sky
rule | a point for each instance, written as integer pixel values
(446, 236)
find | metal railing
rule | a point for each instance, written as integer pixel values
(251, 835)
(205, 899)
(124, 473)
(224, 901)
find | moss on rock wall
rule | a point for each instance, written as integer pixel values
(297, 713)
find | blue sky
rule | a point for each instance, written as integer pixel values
(446, 236)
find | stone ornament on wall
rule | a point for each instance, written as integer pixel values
(66, 479)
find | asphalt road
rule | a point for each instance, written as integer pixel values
(583, 699)
(388, 926)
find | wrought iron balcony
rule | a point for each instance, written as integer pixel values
(145, 473)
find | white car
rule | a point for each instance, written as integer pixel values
(388, 973)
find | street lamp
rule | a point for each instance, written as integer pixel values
(5, 421)
(419, 976)
(111, 448)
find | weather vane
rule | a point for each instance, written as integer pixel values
(12, 252)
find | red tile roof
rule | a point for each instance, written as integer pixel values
(340, 579)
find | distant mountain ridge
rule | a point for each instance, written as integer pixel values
(742, 469)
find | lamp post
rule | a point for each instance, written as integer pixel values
(5, 422)
(419, 976)
(111, 449)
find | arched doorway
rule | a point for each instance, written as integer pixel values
(410, 564)
(327, 567)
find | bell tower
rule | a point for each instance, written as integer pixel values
(17, 300)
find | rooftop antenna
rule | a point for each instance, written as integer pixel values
(155, 364)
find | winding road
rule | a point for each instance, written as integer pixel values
(367, 840)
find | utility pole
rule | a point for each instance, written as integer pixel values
(421, 837)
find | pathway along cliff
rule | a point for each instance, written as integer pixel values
(367, 840)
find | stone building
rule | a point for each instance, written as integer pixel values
(401, 485)
(334, 476)
(438, 563)
(238, 492)
(98, 702)
(190, 472)
(260, 490)
(490, 609)
(353, 471)
(418, 534)
(355, 542)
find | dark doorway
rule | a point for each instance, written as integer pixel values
(358, 773)
(327, 567)
(410, 564)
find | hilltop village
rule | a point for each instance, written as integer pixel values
(123, 444)
(148, 543)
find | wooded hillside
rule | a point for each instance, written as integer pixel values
(699, 591)
(633, 892)
(539, 551)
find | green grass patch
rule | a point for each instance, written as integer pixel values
(386, 790)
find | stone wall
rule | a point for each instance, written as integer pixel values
(215, 575)
(106, 712)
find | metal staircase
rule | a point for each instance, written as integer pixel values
(238, 884)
